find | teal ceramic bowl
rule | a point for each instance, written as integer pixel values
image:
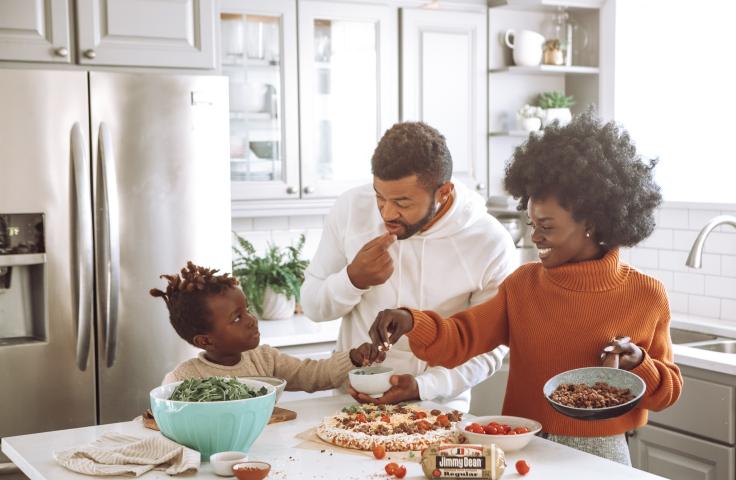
(212, 427)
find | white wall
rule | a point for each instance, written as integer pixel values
(674, 92)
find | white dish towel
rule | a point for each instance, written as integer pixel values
(118, 454)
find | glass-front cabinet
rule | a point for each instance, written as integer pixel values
(348, 77)
(258, 54)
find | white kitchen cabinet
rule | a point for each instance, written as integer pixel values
(486, 398)
(130, 33)
(696, 437)
(315, 137)
(146, 33)
(443, 68)
(257, 51)
(348, 77)
(35, 31)
(678, 456)
(315, 351)
(511, 86)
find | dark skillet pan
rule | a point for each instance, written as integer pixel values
(608, 373)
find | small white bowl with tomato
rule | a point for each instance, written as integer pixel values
(507, 432)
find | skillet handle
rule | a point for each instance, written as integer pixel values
(610, 360)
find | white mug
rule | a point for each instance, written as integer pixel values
(527, 45)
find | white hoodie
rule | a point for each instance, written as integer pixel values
(460, 261)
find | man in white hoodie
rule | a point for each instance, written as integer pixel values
(411, 239)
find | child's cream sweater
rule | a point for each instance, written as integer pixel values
(300, 375)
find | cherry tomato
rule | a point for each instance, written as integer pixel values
(400, 472)
(385, 418)
(522, 467)
(490, 430)
(443, 420)
(421, 415)
(391, 468)
(379, 451)
(360, 417)
(521, 430)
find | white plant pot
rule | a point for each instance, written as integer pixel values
(276, 306)
(530, 124)
(564, 115)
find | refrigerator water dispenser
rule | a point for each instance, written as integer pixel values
(22, 259)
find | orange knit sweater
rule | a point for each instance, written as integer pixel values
(559, 319)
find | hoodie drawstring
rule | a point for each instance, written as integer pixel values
(421, 276)
(398, 294)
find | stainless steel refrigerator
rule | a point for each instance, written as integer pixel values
(107, 180)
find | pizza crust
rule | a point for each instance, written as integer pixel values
(342, 430)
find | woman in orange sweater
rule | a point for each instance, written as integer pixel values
(587, 193)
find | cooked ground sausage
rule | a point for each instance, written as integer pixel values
(599, 395)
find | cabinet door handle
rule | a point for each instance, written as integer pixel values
(308, 189)
(90, 53)
(290, 190)
(61, 52)
(479, 187)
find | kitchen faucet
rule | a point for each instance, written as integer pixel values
(696, 251)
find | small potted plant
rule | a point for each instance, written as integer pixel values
(556, 106)
(530, 117)
(272, 281)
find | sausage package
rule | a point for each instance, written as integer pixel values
(463, 461)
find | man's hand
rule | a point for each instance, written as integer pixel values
(366, 354)
(404, 388)
(389, 326)
(630, 355)
(372, 264)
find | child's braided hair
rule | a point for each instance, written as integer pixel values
(186, 295)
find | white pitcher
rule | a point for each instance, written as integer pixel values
(527, 45)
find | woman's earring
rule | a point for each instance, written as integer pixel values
(587, 234)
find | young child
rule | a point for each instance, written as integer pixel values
(211, 312)
(587, 193)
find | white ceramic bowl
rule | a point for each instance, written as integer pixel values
(222, 462)
(279, 383)
(373, 380)
(507, 443)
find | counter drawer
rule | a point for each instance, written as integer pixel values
(704, 408)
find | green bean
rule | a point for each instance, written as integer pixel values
(214, 389)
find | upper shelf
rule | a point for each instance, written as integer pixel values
(548, 70)
(542, 5)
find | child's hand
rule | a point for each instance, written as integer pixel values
(630, 355)
(366, 354)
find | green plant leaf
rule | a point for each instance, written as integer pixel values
(554, 99)
(281, 270)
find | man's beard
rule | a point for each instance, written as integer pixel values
(411, 229)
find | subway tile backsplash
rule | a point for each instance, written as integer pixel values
(281, 231)
(706, 292)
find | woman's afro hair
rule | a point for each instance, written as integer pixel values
(592, 170)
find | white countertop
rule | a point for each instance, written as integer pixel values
(297, 330)
(294, 454)
(705, 359)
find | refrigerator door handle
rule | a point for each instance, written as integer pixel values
(81, 246)
(108, 243)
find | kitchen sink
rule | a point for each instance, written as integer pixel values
(687, 336)
(722, 346)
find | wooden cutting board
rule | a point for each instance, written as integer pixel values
(282, 415)
(279, 415)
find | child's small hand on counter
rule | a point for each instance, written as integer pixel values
(366, 354)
